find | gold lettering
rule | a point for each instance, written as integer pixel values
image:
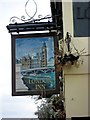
(38, 81)
(40, 86)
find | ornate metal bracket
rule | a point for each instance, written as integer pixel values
(32, 24)
(30, 19)
(24, 27)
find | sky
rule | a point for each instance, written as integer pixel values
(31, 46)
(15, 107)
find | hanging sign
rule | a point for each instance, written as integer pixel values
(33, 64)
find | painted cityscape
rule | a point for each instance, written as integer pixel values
(35, 69)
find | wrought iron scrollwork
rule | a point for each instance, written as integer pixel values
(30, 18)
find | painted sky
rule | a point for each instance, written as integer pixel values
(14, 107)
(31, 46)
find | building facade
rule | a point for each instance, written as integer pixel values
(36, 61)
(76, 79)
(26, 62)
(44, 55)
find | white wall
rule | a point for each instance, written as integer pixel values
(76, 95)
(76, 78)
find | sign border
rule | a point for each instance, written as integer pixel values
(45, 93)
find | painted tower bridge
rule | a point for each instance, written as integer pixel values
(37, 70)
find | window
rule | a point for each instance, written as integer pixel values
(81, 19)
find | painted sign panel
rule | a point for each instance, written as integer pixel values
(33, 64)
(81, 19)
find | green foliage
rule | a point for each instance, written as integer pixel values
(51, 108)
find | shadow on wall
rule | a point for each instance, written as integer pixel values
(80, 118)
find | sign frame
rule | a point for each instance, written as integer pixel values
(17, 42)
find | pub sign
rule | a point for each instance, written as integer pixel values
(34, 64)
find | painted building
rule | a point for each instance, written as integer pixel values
(36, 61)
(44, 55)
(26, 62)
(76, 19)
